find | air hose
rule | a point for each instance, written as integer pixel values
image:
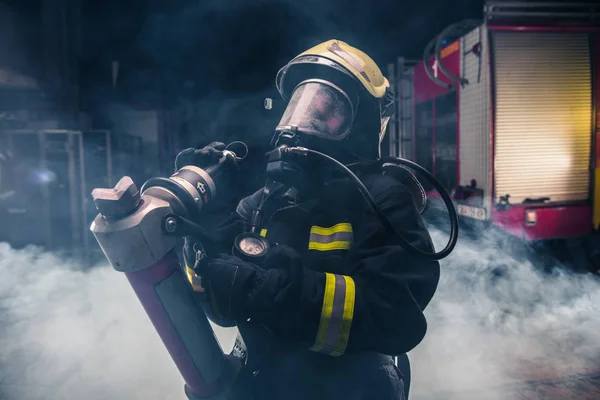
(302, 151)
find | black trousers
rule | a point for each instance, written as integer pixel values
(357, 377)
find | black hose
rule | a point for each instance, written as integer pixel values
(384, 221)
(452, 215)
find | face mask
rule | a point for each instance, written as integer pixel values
(319, 109)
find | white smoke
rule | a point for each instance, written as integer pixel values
(67, 333)
(497, 321)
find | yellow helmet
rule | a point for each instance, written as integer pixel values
(355, 76)
(353, 60)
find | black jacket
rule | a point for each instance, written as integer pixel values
(357, 291)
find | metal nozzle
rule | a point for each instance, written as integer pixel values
(118, 201)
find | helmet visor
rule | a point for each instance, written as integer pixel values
(318, 108)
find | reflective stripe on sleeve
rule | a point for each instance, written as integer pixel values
(337, 237)
(336, 315)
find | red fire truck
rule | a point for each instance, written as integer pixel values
(504, 113)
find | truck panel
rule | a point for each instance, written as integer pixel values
(543, 116)
(435, 122)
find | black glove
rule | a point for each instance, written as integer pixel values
(240, 290)
(230, 184)
(229, 281)
(282, 257)
(202, 158)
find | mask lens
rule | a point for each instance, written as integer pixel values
(320, 109)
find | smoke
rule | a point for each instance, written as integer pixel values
(498, 321)
(68, 333)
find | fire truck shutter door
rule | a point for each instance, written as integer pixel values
(543, 115)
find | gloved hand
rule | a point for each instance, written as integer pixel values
(239, 290)
(229, 282)
(202, 158)
(283, 257)
(290, 269)
(230, 184)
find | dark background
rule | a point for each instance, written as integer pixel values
(238, 46)
(233, 46)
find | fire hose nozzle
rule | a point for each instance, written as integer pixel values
(137, 230)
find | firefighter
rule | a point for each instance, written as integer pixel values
(336, 297)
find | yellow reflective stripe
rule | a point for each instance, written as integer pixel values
(325, 312)
(342, 227)
(356, 63)
(193, 279)
(337, 237)
(336, 315)
(263, 232)
(347, 317)
(340, 245)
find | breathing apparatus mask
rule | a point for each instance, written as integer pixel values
(320, 109)
(329, 116)
(319, 115)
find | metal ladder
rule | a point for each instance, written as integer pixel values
(400, 129)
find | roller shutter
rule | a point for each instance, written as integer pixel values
(475, 116)
(543, 125)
